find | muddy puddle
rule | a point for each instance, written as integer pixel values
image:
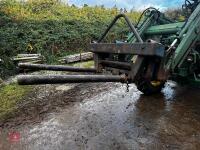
(106, 117)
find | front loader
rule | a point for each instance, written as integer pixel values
(157, 49)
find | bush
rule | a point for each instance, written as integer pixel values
(49, 26)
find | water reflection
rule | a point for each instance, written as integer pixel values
(172, 118)
(114, 119)
(169, 90)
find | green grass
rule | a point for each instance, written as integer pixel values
(10, 96)
(87, 64)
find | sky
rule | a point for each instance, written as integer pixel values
(129, 4)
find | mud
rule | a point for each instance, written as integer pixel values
(106, 117)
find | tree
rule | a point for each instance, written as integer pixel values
(175, 14)
(85, 5)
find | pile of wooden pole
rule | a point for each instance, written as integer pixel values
(77, 58)
(29, 58)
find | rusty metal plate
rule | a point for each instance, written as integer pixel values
(144, 49)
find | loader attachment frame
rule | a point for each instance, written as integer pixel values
(156, 49)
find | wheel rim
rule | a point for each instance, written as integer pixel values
(155, 83)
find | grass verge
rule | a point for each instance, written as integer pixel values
(10, 96)
(86, 64)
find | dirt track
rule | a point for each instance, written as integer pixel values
(104, 117)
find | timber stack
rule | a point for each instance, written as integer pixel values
(76, 58)
(28, 58)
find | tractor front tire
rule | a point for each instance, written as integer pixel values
(150, 87)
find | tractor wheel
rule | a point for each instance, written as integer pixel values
(150, 87)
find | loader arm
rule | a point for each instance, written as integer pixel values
(184, 61)
(188, 35)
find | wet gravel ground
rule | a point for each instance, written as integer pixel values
(106, 117)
